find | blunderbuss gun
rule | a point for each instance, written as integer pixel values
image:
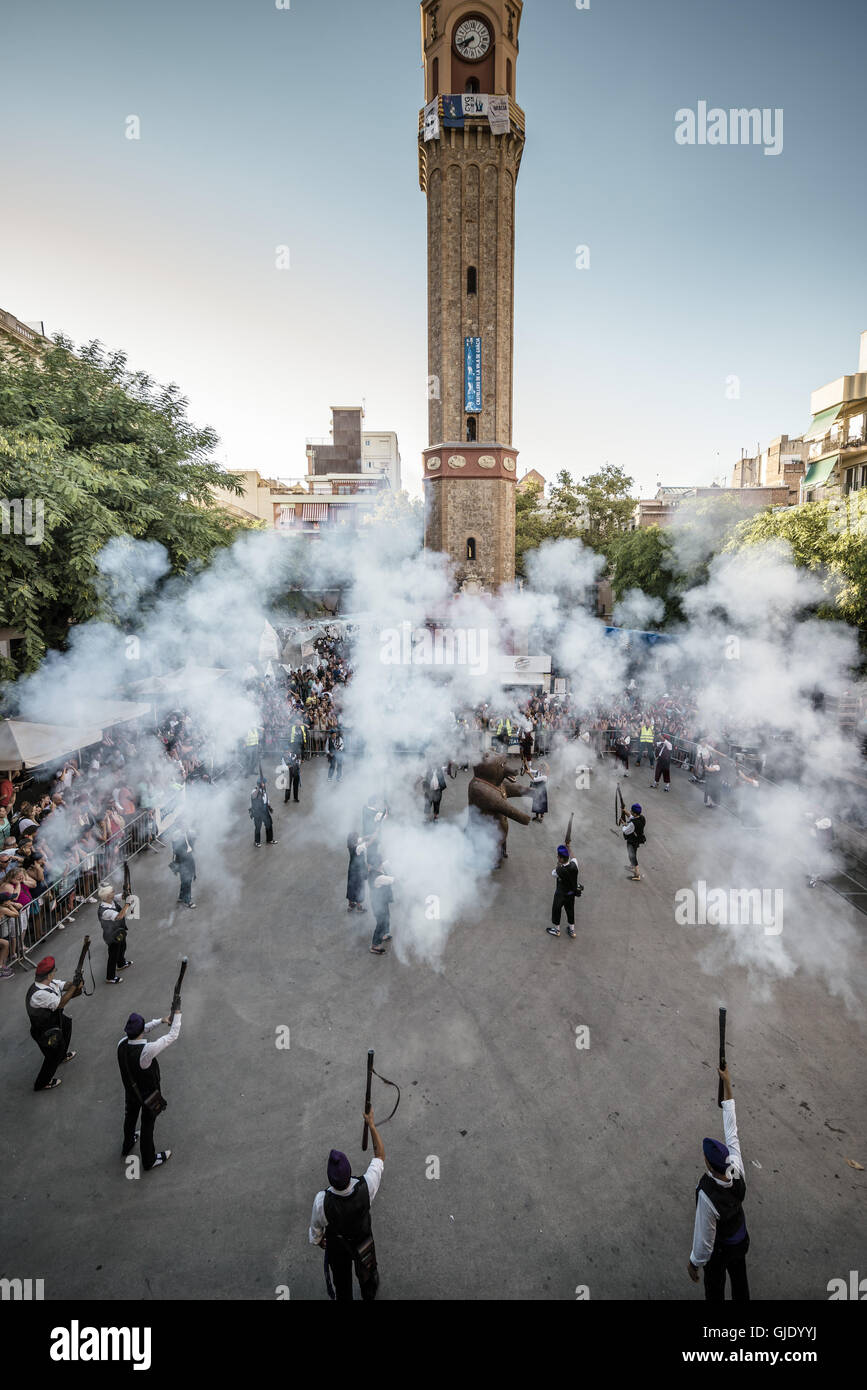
(370, 1075)
(620, 815)
(176, 997)
(722, 1054)
(568, 839)
(78, 976)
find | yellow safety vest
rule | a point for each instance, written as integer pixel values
(252, 737)
(646, 734)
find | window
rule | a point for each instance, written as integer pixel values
(471, 428)
(472, 85)
(509, 77)
(436, 79)
(471, 548)
(472, 280)
(863, 482)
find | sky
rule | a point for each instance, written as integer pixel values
(265, 127)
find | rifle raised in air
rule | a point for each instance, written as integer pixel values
(176, 997)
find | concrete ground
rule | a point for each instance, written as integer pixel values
(558, 1166)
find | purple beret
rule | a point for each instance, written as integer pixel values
(716, 1154)
(134, 1026)
(339, 1170)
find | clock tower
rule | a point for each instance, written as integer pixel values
(471, 138)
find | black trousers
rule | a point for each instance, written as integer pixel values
(130, 1119)
(562, 900)
(53, 1055)
(731, 1260)
(340, 1264)
(116, 957)
(293, 786)
(185, 880)
(269, 831)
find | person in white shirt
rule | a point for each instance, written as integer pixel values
(140, 1073)
(720, 1239)
(340, 1221)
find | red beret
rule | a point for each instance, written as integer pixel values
(45, 966)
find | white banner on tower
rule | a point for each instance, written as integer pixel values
(474, 105)
(432, 120)
(498, 115)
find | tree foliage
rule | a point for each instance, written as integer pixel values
(600, 505)
(98, 451)
(644, 559)
(829, 538)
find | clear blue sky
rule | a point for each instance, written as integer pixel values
(263, 127)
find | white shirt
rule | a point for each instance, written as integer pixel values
(48, 996)
(573, 860)
(150, 1050)
(706, 1214)
(373, 1177)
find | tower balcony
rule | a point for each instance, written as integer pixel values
(452, 135)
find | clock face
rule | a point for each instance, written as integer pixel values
(473, 39)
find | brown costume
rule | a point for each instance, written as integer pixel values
(491, 791)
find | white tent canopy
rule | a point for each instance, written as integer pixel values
(188, 678)
(111, 712)
(24, 745)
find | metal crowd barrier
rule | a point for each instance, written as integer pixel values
(36, 922)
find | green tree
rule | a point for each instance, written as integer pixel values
(829, 538)
(95, 451)
(535, 524)
(599, 506)
(644, 559)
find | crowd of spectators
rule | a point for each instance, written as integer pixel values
(309, 695)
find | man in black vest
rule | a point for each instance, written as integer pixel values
(293, 778)
(566, 890)
(633, 833)
(140, 1073)
(112, 912)
(260, 814)
(50, 1029)
(341, 1220)
(720, 1241)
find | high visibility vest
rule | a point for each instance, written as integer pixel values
(252, 737)
(646, 733)
(505, 724)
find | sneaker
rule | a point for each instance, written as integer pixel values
(162, 1158)
(553, 931)
(570, 931)
(6, 973)
(273, 842)
(126, 965)
(377, 951)
(55, 1081)
(69, 1056)
(387, 937)
(61, 926)
(255, 846)
(116, 981)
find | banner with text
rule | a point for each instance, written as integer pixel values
(473, 394)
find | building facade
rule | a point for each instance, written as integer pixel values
(471, 139)
(836, 440)
(347, 474)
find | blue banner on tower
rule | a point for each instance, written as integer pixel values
(453, 112)
(473, 375)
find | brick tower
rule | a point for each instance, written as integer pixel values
(470, 148)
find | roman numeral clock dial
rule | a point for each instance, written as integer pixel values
(473, 40)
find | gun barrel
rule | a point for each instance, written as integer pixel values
(367, 1098)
